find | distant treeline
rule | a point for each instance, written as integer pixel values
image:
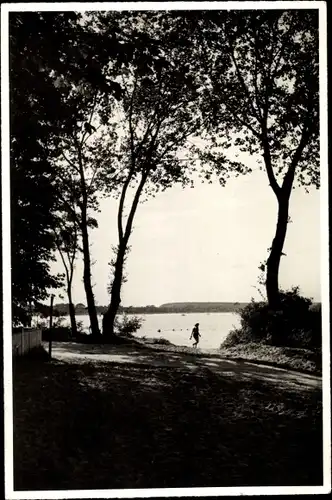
(187, 307)
(174, 307)
(190, 307)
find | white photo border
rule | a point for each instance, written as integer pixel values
(10, 493)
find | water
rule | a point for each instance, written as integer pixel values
(177, 327)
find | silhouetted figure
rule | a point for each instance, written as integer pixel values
(195, 334)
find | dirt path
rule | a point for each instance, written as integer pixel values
(242, 370)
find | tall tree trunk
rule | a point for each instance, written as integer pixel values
(72, 312)
(28, 321)
(110, 315)
(273, 261)
(87, 279)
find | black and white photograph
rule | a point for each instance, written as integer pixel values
(165, 249)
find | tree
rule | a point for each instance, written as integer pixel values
(46, 50)
(155, 116)
(51, 54)
(83, 168)
(260, 70)
(67, 243)
(82, 146)
(34, 112)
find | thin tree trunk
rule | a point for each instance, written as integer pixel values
(87, 279)
(95, 332)
(69, 269)
(283, 194)
(273, 261)
(72, 312)
(110, 315)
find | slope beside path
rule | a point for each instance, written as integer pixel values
(210, 361)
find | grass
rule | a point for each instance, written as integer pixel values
(96, 426)
(155, 341)
(304, 360)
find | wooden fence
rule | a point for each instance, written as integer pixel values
(25, 340)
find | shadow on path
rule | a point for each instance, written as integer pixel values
(146, 420)
(190, 361)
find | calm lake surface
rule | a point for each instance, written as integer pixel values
(177, 327)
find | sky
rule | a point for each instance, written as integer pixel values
(205, 244)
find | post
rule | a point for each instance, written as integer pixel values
(50, 327)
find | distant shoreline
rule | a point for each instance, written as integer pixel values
(170, 308)
(84, 313)
(167, 308)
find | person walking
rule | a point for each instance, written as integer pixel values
(195, 334)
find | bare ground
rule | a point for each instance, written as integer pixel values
(130, 417)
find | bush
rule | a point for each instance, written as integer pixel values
(306, 360)
(80, 328)
(128, 325)
(84, 338)
(162, 341)
(40, 322)
(296, 324)
(58, 334)
(61, 333)
(237, 336)
(37, 353)
(156, 340)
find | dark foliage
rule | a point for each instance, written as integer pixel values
(34, 39)
(157, 341)
(59, 333)
(128, 325)
(38, 354)
(46, 50)
(295, 324)
(261, 88)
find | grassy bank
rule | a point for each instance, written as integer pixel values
(304, 360)
(132, 426)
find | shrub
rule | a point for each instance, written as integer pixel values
(237, 336)
(128, 325)
(80, 328)
(84, 338)
(37, 353)
(296, 324)
(58, 334)
(156, 340)
(162, 341)
(43, 323)
(315, 325)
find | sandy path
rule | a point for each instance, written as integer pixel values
(242, 370)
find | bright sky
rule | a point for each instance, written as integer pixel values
(206, 243)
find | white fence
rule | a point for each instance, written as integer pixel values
(26, 340)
